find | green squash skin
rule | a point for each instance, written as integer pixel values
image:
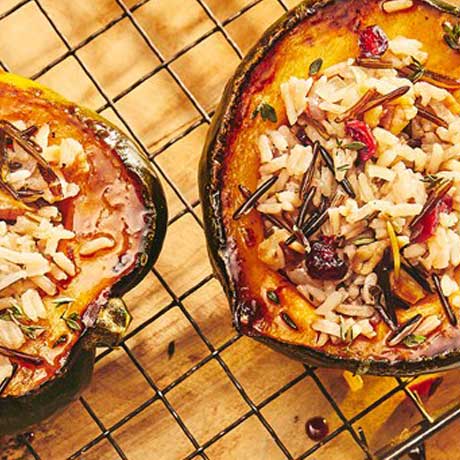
(18, 414)
(210, 185)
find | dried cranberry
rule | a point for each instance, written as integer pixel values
(427, 226)
(317, 428)
(360, 132)
(324, 263)
(373, 42)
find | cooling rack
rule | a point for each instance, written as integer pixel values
(183, 385)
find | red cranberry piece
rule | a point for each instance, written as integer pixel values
(317, 428)
(324, 263)
(373, 42)
(360, 132)
(427, 226)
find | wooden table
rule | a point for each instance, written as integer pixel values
(182, 324)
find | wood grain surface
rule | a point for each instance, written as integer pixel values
(164, 93)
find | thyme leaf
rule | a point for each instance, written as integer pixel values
(452, 35)
(73, 321)
(412, 341)
(315, 67)
(266, 111)
(273, 297)
(355, 146)
(419, 70)
(63, 301)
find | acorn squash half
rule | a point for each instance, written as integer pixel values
(118, 208)
(326, 29)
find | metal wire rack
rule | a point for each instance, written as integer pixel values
(415, 439)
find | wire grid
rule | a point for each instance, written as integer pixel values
(429, 425)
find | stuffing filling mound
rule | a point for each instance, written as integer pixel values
(34, 264)
(360, 191)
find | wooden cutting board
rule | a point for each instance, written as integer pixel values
(180, 314)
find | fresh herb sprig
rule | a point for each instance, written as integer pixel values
(315, 67)
(418, 70)
(413, 341)
(452, 35)
(266, 111)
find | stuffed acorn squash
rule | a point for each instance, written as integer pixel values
(330, 185)
(82, 219)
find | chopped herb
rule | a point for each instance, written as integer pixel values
(73, 321)
(267, 112)
(344, 167)
(315, 67)
(452, 35)
(63, 301)
(412, 341)
(418, 70)
(171, 349)
(433, 180)
(273, 297)
(289, 321)
(62, 339)
(32, 332)
(355, 146)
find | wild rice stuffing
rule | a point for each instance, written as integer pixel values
(364, 215)
(33, 259)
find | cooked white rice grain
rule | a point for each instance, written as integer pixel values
(428, 325)
(32, 305)
(392, 6)
(64, 262)
(11, 335)
(327, 327)
(97, 244)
